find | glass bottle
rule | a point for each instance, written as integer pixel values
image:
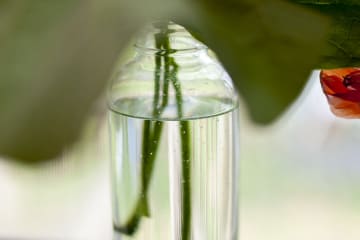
(173, 122)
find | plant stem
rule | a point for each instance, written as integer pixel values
(184, 131)
(151, 138)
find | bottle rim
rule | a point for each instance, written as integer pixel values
(171, 51)
(182, 40)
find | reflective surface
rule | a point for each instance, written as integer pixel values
(174, 128)
(213, 181)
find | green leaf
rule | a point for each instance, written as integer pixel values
(343, 42)
(268, 47)
(55, 60)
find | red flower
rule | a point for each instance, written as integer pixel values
(342, 89)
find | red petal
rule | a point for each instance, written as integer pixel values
(342, 108)
(332, 84)
(339, 72)
(353, 96)
(342, 88)
(352, 80)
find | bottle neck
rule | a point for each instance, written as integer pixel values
(164, 37)
(187, 60)
(170, 52)
(168, 43)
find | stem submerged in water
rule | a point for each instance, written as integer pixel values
(151, 138)
(184, 131)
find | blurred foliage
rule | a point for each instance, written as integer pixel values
(56, 56)
(343, 42)
(268, 48)
(55, 59)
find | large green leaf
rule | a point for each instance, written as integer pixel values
(56, 58)
(269, 47)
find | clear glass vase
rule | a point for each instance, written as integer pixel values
(174, 141)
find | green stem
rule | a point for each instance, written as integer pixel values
(186, 176)
(184, 131)
(151, 137)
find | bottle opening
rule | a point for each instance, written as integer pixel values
(180, 40)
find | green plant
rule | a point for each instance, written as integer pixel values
(51, 52)
(152, 131)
